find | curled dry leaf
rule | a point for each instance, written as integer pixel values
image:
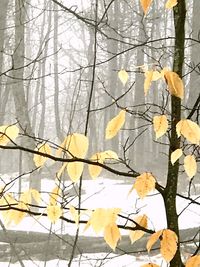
(176, 155)
(145, 4)
(189, 129)
(175, 84)
(170, 4)
(160, 125)
(115, 124)
(190, 165)
(123, 76)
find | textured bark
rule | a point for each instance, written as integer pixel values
(172, 177)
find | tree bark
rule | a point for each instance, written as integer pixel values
(172, 177)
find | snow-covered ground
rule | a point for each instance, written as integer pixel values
(106, 193)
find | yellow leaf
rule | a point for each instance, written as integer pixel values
(190, 165)
(190, 130)
(100, 218)
(123, 76)
(74, 214)
(115, 124)
(145, 5)
(59, 173)
(40, 160)
(176, 155)
(74, 170)
(153, 238)
(135, 235)
(112, 235)
(156, 75)
(170, 4)
(193, 261)
(17, 216)
(150, 265)
(95, 170)
(100, 157)
(53, 196)
(168, 244)
(144, 184)
(147, 81)
(35, 195)
(175, 84)
(8, 133)
(77, 145)
(54, 212)
(160, 125)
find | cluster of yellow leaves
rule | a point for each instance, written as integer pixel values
(38, 159)
(168, 243)
(105, 220)
(16, 216)
(145, 4)
(137, 234)
(75, 146)
(193, 261)
(115, 125)
(8, 133)
(144, 184)
(174, 82)
(190, 164)
(123, 76)
(100, 157)
(190, 130)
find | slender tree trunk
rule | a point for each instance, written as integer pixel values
(172, 177)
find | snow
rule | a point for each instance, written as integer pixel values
(106, 193)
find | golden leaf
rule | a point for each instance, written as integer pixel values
(144, 184)
(115, 124)
(54, 212)
(147, 81)
(59, 173)
(123, 76)
(95, 170)
(176, 155)
(137, 234)
(190, 165)
(168, 244)
(77, 145)
(35, 195)
(112, 235)
(74, 214)
(156, 75)
(17, 216)
(193, 261)
(145, 5)
(8, 133)
(38, 159)
(190, 130)
(53, 196)
(170, 4)
(74, 170)
(100, 157)
(150, 265)
(153, 238)
(160, 125)
(175, 84)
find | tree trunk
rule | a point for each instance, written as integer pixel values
(172, 177)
